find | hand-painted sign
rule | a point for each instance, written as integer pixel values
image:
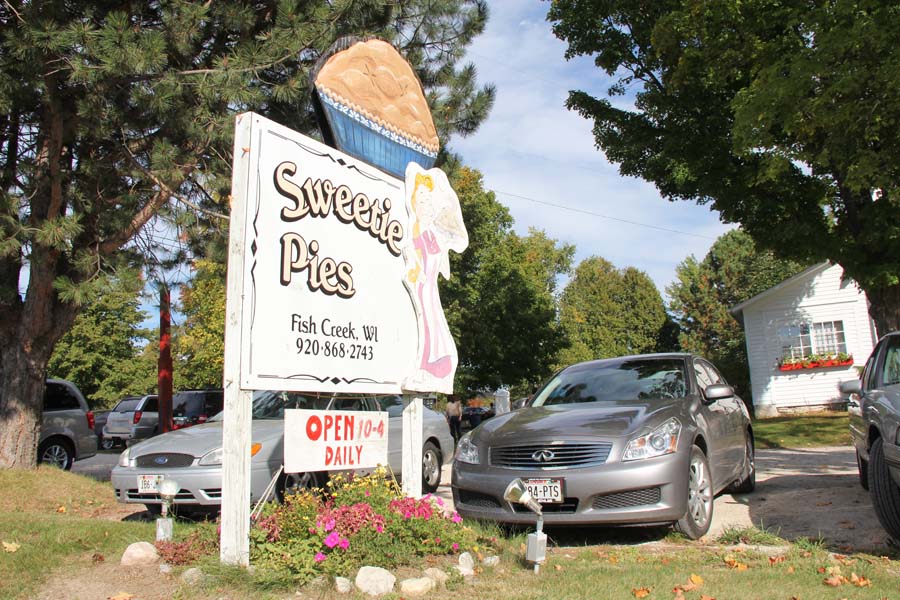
(329, 440)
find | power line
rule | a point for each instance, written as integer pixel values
(602, 216)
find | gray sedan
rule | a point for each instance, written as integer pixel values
(647, 439)
(193, 456)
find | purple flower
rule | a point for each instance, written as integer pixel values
(456, 518)
(329, 524)
(320, 557)
(344, 544)
(332, 539)
(454, 546)
(440, 502)
(379, 528)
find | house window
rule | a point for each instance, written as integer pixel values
(805, 339)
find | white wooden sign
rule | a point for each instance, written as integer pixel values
(329, 440)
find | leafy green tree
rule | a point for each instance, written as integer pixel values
(114, 114)
(610, 312)
(733, 271)
(101, 353)
(783, 116)
(199, 346)
(500, 300)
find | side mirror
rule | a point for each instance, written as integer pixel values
(718, 391)
(851, 387)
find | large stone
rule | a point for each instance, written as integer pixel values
(192, 576)
(343, 585)
(439, 576)
(140, 554)
(491, 561)
(466, 565)
(417, 587)
(374, 581)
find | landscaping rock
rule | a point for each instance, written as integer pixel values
(417, 586)
(375, 581)
(343, 585)
(491, 561)
(192, 576)
(466, 565)
(165, 569)
(140, 554)
(437, 575)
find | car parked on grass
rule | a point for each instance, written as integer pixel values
(646, 439)
(134, 418)
(193, 456)
(67, 427)
(874, 408)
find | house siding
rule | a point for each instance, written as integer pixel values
(820, 296)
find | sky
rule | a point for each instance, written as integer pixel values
(534, 153)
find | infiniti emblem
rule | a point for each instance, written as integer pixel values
(543, 456)
(160, 460)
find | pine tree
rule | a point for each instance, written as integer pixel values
(116, 114)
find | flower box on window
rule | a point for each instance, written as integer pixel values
(815, 362)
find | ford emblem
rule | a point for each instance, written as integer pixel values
(161, 460)
(543, 456)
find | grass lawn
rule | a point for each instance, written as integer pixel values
(806, 431)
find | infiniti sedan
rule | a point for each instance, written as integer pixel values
(647, 439)
(193, 456)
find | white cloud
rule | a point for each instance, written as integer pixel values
(532, 146)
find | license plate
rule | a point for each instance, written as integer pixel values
(545, 490)
(149, 484)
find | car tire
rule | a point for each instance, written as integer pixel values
(58, 452)
(154, 509)
(863, 467)
(884, 491)
(431, 467)
(748, 483)
(291, 483)
(108, 443)
(698, 516)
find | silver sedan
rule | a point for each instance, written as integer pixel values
(193, 456)
(647, 439)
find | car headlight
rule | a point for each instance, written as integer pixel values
(467, 452)
(213, 457)
(125, 458)
(660, 441)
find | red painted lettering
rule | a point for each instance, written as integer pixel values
(329, 455)
(314, 428)
(329, 424)
(348, 427)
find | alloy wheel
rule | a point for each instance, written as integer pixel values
(699, 493)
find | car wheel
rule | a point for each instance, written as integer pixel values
(748, 483)
(291, 483)
(863, 467)
(698, 517)
(884, 491)
(431, 467)
(57, 452)
(108, 443)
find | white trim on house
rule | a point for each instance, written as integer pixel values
(817, 295)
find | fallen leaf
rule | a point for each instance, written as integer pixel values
(820, 570)
(833, 581)
(790, 569)
(679, 595)
(696, 579)
(665, 561)
(557, 567)
(705, 597)
(98, 558)
(774, 560)
(61, 509)
(859, 581)
(613, 560)
(122, 596)
(734, 564)
(10, 546)
(640, 592)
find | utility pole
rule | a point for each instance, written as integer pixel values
(164, 365)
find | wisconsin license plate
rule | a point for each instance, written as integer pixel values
(545, 490)
(149, 484)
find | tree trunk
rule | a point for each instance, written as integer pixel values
(21, 406)
(884, 308)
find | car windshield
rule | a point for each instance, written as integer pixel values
(271, 405)
(639, 379)
(127, 404)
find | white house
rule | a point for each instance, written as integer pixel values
(798, 335)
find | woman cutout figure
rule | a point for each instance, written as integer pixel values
(436, 227)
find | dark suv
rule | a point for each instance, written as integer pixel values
(67, 429)
(191, 407)
(874, 408)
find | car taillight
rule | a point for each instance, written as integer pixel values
(90, 419)
(201, 418)
(137, 416)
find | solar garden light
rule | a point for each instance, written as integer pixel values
(168, 488)
(536, 547)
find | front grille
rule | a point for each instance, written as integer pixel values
(213, 493)
(476, 499)
(568, 505)
(172, 460)
(628, 499)
(550, 456)
(181, 496)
